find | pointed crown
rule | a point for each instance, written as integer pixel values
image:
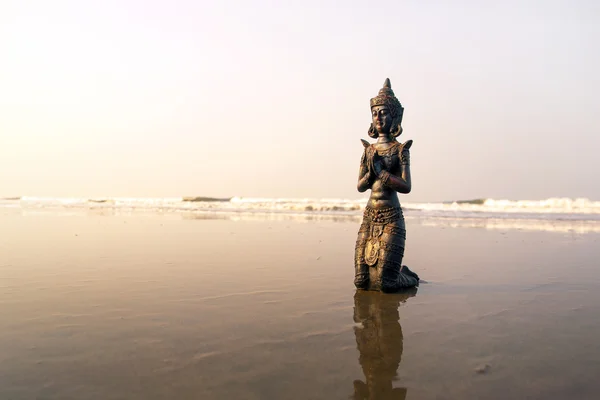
(387, 98)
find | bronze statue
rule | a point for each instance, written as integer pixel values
(385, 169)
(379, 342)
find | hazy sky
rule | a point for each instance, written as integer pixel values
(270, 98)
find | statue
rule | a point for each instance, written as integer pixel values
(379, 342)
(385, 169)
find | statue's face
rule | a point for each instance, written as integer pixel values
(382, 119)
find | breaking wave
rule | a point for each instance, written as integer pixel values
(549, 209)
(553, 208)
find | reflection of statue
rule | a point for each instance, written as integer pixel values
(385, 169)
(379, 342)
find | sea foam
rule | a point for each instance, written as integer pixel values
(548, 209)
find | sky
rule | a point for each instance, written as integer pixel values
(255, 98)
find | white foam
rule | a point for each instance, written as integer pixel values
(548, 209)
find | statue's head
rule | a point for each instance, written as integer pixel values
(386, 113)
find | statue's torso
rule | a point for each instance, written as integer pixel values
(381, 196)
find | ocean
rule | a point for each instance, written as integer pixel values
(579, 215)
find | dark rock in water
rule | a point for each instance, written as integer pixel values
(199, 198)
(477, 202)
(483, 369)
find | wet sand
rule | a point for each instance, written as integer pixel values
(171, 306)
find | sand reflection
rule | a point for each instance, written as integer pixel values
(379, 342)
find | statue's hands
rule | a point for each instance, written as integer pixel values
(377, 164)
(366, 163)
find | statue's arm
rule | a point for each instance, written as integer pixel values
(400, 180)
(364, 176)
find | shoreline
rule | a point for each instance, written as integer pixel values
(572, 226)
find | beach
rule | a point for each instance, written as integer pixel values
(117, 305)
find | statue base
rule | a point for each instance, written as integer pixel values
(387, 280)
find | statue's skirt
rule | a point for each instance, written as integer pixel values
(379, 251)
